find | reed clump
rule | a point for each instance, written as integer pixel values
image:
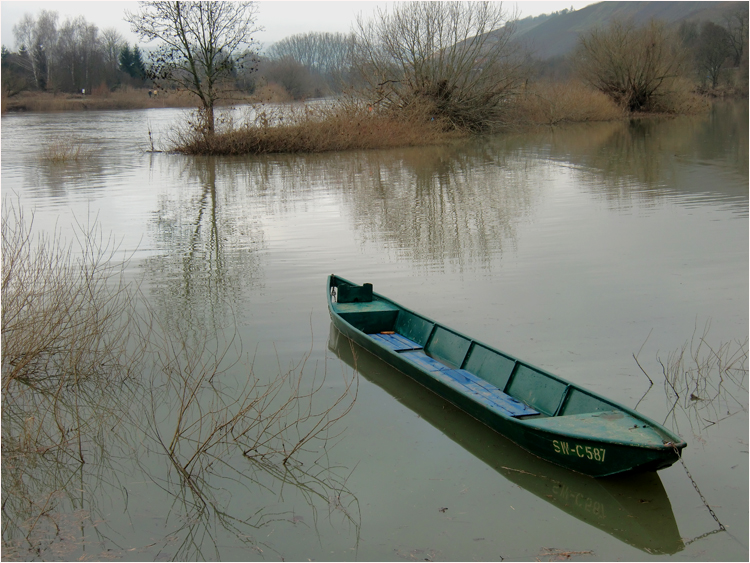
(65, 150)
(705, 381)
(551, 103)
(308, 128)
(679, 98)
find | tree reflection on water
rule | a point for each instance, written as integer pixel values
(102, 396)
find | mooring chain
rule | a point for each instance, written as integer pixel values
(711, 533)
(697, 490)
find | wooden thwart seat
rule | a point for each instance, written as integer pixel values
(458, 379)
(396, 342)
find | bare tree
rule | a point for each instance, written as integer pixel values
(290, 74)
(68, 57)
(38, 36)
(319, 52)
(16, 72)
(200, 44)
(79, 56)
(67, 54)
(456, 56)
(712, 50)
(91, 52)
(112, 44)
(736, 24)
(633, 65)
(327, 55)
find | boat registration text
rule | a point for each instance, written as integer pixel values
(567, 448)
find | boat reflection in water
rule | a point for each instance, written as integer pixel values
(633, 508)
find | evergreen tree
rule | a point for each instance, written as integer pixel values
(131, 62)
(126, 60)
(16, 72)
(137, 66)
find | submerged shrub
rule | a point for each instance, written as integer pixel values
(460, 56)
(65, 150)
(88, 368)
(62, 315)
(635, 65)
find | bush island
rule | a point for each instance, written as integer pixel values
(338, 126)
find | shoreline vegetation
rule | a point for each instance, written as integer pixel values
(124, 99)
(418, 73)
(348, 123)
(277, 124)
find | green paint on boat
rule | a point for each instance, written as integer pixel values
(632, 507)
(543, 413)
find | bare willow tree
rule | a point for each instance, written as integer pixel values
(112, 44)
(633, 65)
(456, 56)
(201, 45)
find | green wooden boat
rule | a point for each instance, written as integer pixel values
(544, 414)
(632, 507)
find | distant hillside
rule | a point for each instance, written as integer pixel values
(556, 35)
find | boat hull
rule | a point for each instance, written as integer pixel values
(634, 508)
(599, 443)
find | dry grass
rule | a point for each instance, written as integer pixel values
(122, 99)
(127, 98)
(272, 93)
(679, 98)
(339, 126)
(550, 103)
(65, 150)
(130, 98)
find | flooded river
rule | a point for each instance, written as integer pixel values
(605, 253)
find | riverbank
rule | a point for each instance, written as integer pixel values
(124, 99)
(276, 126)
(129, 98)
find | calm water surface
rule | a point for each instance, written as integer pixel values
(574, 248)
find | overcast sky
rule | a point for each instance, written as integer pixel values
(279, 18)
